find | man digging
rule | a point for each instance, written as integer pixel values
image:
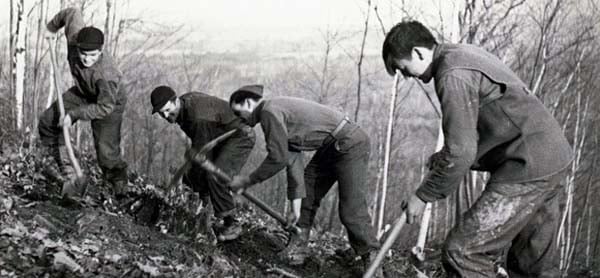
(97, 97)
(203, 117)
(342, 154)
(492, 123)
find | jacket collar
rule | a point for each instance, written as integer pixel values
(255, 116)
(437, 57)
(182, 111)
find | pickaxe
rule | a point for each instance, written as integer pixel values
(80, 182)
(201, 158)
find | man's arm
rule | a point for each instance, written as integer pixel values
(460, 108)
(71, 19)
(106, 102)
(276, 138)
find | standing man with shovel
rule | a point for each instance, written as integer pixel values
(342, 154)
(492, 123)
(97, 97)
(203, 118)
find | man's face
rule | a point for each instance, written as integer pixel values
(169, 111)
(413, 65)
(89, 57)
(243, 109)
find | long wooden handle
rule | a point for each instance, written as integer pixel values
(213, 169)
(418, 250)
(195, 152)
(61, 108)
(398, 225)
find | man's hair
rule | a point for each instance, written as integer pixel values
(401, 39)
(254, 91)
(241, 96)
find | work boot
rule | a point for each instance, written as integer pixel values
(49, 167)
(231, 230)
(119, 188)
(297, 250)
(367, 260)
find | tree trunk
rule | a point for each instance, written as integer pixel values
(11, 54)
(386, 159)
(334, 205)
(379, 176)
(149, 145)
(360, 60)
(107, 31)
(36, 72)
(19, 61)
(164, 173)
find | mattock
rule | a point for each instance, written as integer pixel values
(200, 157)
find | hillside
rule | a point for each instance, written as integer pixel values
(151, 233)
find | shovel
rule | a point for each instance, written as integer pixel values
(77, 188)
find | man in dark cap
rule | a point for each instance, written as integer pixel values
(492, 123)
(342, 155)
(203, 117)
(97, 96)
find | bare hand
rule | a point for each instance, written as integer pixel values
(291, 219)
(414, 209)
(239, 183)
(65, 121)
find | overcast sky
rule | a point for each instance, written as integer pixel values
(243, 16)
(240, 20)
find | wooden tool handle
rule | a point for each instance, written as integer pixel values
(61, 108)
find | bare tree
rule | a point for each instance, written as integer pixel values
(360, 61)
(17, 53)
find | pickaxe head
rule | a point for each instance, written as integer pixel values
(198, 156)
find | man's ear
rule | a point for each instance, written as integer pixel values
(418, 52)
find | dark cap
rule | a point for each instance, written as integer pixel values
(90, 38)
(248, 91)
(160, 96)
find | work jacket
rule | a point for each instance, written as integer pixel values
(491, 122)
(203, 117)
(291, 125)
(98, 84)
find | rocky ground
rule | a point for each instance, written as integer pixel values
(151, 233)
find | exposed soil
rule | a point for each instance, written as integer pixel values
(150, 233)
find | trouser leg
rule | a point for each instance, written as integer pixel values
(107, 141)
(230, 157)
(53, 142)
(534, 251)
(351, 170)
(500, 214)
(51, 135)
(318, 179)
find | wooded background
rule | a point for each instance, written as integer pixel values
(553, 45)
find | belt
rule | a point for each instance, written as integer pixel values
(339, 127)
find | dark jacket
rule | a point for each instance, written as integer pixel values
(491, 123)
(98, 84)
(204, 117)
